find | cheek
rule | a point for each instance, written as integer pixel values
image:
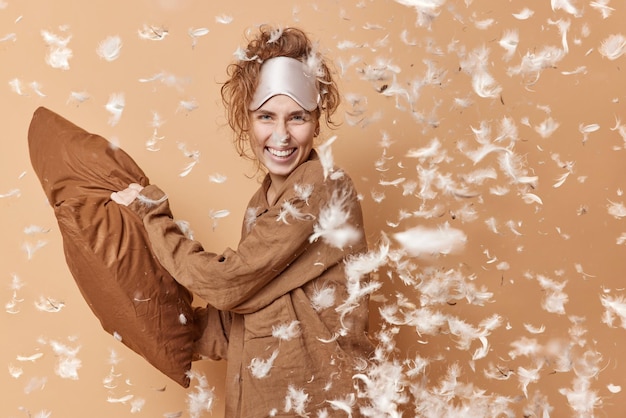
(306, 136)
(258, 135)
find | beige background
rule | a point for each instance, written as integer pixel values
(563, 241)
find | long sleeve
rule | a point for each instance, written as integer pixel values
(259, 270)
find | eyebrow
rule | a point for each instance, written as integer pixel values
(295, 112)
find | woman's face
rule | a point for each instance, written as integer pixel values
(282, 136)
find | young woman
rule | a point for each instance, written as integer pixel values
(279, 306)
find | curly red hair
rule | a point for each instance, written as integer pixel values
(243, 77)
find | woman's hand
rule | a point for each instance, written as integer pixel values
(125, 197)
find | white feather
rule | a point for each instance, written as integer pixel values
(260, 368)
(432, 150)
(603, 7)
(617, 210)
(152, 33)
(345, 405)
(194, 155)
(217, 178)
(30, 249)
(614, 388)
(15, 372)
(533, 329)
(122, 399)
(58, 53)
(35, 383)
(303, 191)
(290, 211)
(78, 97)
(296, 401)
(286, 332)
(554, 298)
(333, 223)
(423, 241)
(201, 399)
(9, 37)
(30, 358)
(67, 363)
(250, 218)
(546, 128)
(615, 307)
(323, 297)
(11, 193)
(194, 34)
(36, 87)
(357, 271)
(427, 10)
(17, 87)
(115, 106)
(581, 398)
(613, 47)
(187, 105)
(44, 304)
(382, 384)
(565, 5)
(535, 61)
(509, 41)
(224, 19)
(110, 48)
(275, 35)
(527, 376)
(136, 405)
(326, 156)
(524, 14)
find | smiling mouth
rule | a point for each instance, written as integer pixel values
(281, 153)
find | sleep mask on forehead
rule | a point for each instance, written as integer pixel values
(288, 76)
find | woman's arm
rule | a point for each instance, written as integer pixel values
(279, 237)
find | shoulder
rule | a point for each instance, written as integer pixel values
(315, 172)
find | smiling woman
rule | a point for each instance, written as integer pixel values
(285, 349)
(281, 138)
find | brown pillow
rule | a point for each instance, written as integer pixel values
(106, 247)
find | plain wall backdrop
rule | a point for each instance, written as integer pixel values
(504, 121)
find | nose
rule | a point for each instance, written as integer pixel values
(280, 135)
(280, 138)
(281, 128)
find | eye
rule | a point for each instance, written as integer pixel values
(300, 117)
(263, 116)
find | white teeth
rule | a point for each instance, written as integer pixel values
(281, 153)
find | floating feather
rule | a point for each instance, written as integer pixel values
(421, 241)
(427, 10)
(110, 48)
(59, 54)
(323, 297)
(290, 211)
(333, 223)
(509, 41)
(613, 47)
(286, 332)
(202, 398)
(115, 106)
(260, 368)
(194, 34)
(524, 14)
(296, 401)
(224, 19)
(152, 33)
(603, 7)
(17, 87)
